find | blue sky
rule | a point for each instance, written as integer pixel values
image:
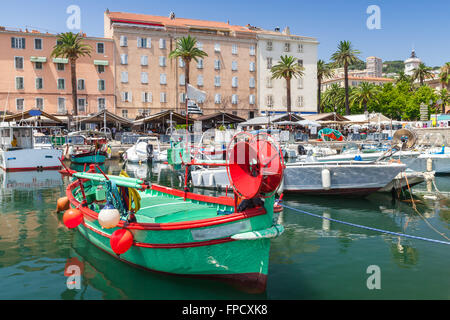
(422, 24)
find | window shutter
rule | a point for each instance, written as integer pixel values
(139, 42)
(149, 43)
(130, 96)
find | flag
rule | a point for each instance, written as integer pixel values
(195, 94)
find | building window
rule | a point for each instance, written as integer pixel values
(19, 104)
(80, 84)
(101, 104)
(269, 100)
(38, 65)
(123, 58)
(269, 63)
(234, 82)
(182, 80)
(61, 105)
(17, 43)
(287, 47)
(146, 97)
(300, 48)
(144, 77)
(100, 47)
(18, 62)
(162, 78)
(37, 44)
(234, 49)
(200, 64)
(124, 77)
(217, 81)
(60, 67)
(19, 83)
(300, 62)
(100, 68)
(61, 84)
(162, 43)
(126, 96)
(40, 103)
(252, 82)
(252, 66)
(217, 64)
(162, 97)
(81, 105)
(217, 47)
(101, 85)
(124, 113)
(252, 50)
(141, 42)
(200, 45)
(144, 60)
(269, 82)
(234, 65)
(39, 83)
(123, 41)
(300, 101)
(181, 62)
(217, 98)
(269, 46)
(234, 99)
(200, 80)
(300, 83)
(182, 97)
(162, 61)
(251, 99)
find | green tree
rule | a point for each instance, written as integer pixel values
(345, 56)
(323, 72)
(364, 93)
(70, 46)
(444, 76)
(287, 68)
(402, 76)
(444, 96)
(186, 50)
(421, 73)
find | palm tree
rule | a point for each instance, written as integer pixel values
(186, 50)
(402, 76)
(421, 73)
(70, 46)
(345, 56)
(364, 93)
(323, 72)
(334, 97)
(444, 76)
(287, 68)
(444, 96)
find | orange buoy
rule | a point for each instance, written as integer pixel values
(72, 218)
(121, 240)
(62, 204)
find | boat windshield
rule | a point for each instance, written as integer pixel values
(42, 140)
(75, 139)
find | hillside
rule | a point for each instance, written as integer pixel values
(393, 66)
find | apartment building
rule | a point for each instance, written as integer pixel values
(272, 94)
(32, 79)
(148, 82)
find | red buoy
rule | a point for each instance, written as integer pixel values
(72, 218)
(121, 240)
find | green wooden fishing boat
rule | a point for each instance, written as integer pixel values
(183, 233)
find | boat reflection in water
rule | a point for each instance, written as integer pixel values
(30, 180)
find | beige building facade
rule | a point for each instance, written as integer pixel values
(148, 81)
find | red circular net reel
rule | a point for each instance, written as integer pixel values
(255, 165)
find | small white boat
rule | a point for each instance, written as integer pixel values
(407, 179)
(18, 153)
(145, 149)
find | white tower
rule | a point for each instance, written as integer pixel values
(412, 63)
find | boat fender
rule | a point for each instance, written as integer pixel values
(108, 217)
(357, 158)
(326, 179)
(121, 240)
(199, 179)
(429, 164)
(211, 180)
(72, 218)
(62, 204)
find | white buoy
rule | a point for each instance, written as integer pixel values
(326, 179)
(211, 180)
(429, 164)
(108, 217)
(199, 179)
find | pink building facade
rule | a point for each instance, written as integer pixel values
(32, 79)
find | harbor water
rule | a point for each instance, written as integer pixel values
(312, 259)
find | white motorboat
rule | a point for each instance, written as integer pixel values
(439, 162)
(18, 152)
(145, 149)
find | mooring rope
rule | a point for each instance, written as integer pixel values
(364, 227)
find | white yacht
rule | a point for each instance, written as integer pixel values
(145, 149)
(18, 152)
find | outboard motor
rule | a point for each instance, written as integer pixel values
(150, 151)
(301, 150)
